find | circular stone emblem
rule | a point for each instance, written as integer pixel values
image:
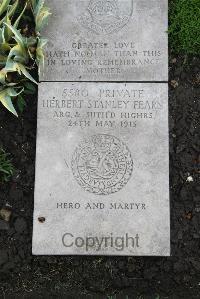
(102, 164)
(106, 16)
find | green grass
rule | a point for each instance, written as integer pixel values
(6, 167)
(184, 29)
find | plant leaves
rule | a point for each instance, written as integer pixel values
(39, 4)
(3, 76)
(7, 32)
(13, 93)
(40, 53)
(31, 41)
(10, 11)
(16, 50)
(26, 73)
(4, 46)
(34, 3)
(41, 14)
(20, 50)
(17, 35)
(7, 102)
(4, 6)
(3, 60)
(19, 53)
(5, 98)
(21, 103)
(19, 18)
(30, 86)
(12, 66)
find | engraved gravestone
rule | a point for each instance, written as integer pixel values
(102, 176)
(107, 40)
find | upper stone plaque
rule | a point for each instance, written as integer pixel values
(107, 40)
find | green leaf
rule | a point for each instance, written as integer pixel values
(4, 46)
(11, 10)
(12, 66)
(6, 167)
(34, 3)
(19, 54)
(28, 92)
(42, 18)
(4, 6)
(5, 98)
(40, 52)
(30, 41)
(21, 103)
(30, 86)
(7, 32)
(13, 93)
(19, 51)
(3, 60)
(19, 18)
(3, 76)
(38, 6)
(26, 73)
(41, 14)
(17, 35)
(7, 102)
(1, 36)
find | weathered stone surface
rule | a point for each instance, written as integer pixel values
(123, 40)
(102, 179)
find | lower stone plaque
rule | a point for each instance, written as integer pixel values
(102, 175)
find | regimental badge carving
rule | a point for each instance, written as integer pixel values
(102, 164)
(106, 16)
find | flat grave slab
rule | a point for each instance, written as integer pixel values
(115, 40)
(102, 174)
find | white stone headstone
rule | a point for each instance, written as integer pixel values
(92, 40)
(102, 175)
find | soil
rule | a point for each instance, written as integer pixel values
(25, 276)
